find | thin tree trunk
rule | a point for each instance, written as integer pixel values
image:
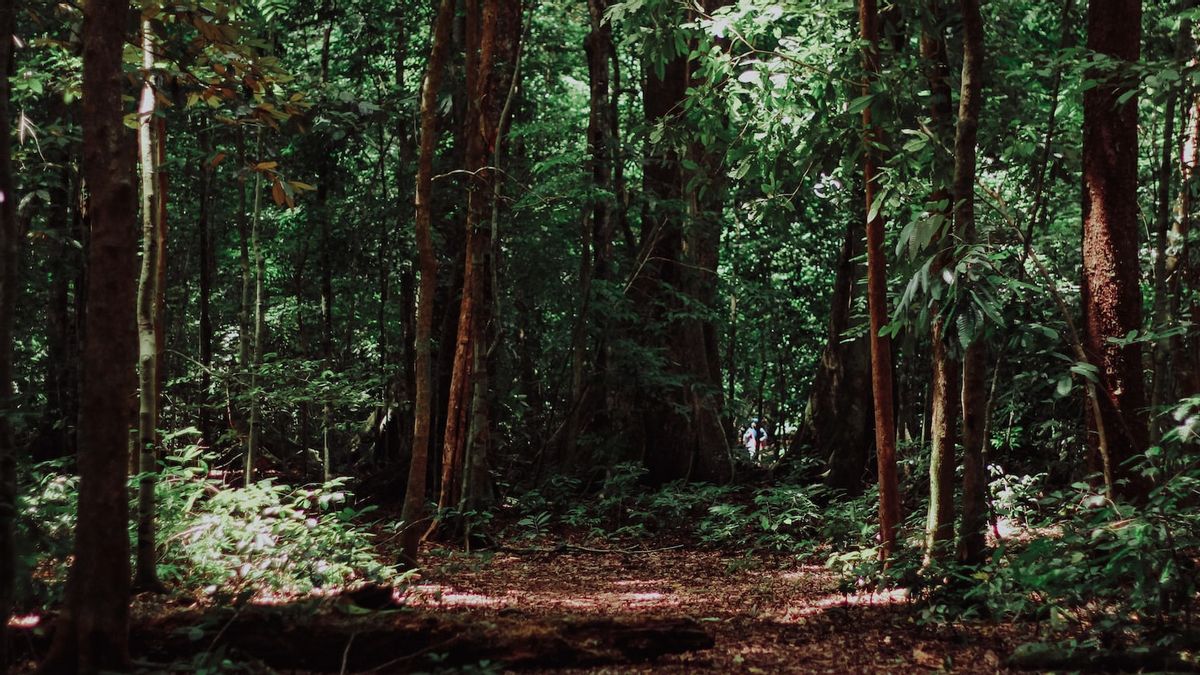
(944, 388)
(1160, 375)
(495, 29)
(1038, 212)
(146, 575)
(414, 496)
(1111, 290)
(254, 435)
(91, 632)
(206, 272)
(9, 263)
(881, 350)
(975, 362)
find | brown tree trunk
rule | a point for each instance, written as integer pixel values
(91, 633)
(682, 432)
(493, 29)
(974, 378)
(9, 263)
(1038, 212)
(589, 389)
(881, 349)
(944, 388)
(206, 271)
(839, 413)
(414, 496)
(1112, 298)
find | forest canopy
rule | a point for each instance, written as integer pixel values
(490, 334)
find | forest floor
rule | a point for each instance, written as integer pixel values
(565, 609)
(766, 613)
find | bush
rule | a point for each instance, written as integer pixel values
(228, 541)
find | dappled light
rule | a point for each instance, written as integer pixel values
(595, 336)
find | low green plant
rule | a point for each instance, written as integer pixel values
(229, 541)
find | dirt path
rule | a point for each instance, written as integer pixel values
(767, 614)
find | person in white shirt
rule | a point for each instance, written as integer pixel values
(753, 439)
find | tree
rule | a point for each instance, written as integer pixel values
(881, 352)
(414, 495)
(681, 428)
(493, 40)
(91, 633)
(974, 374)
(944, 388)
(1112, 300)
(10, 236)
(149, 313)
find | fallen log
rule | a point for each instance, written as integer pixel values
(398, 641)
(1048, 656)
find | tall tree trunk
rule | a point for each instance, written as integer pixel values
(254, 434)
(589, 390)
(414, 496)
(1112, 299)
(206, 271)
(682, 432)
(974, 378)
(493, 28)
(91, 633)
(146, 575)
(838, 415)
(1038, 212)
(1179, 269)
(881, 349)
(1160, 375)
(944, 388)
(9, 263)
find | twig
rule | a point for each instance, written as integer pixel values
(565, 548)
(346, 652)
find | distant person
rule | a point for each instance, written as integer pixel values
(753, 439)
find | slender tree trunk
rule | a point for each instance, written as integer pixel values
(1160, 375)
(944, 388)
(414, 496)
(91, 633)
(1038, 212)
(9, 263)
(495, 27)
(206, 271)
(881, 349)
(975, 362)
(146, 575)
(254, 435)
(1111, 291)
(1179, 268)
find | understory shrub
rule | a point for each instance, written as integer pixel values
(226, 541)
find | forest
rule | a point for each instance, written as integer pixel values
(671, 336)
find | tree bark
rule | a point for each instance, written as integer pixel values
(414, 496)
(91, 633)
(681, 428)
(944, 388)
(881, 350)
(493, 29)
(206, 272)
(148, 319)
(974, 378)
(254, 434)
(9, 263)
(1112, 298)
(839, 413)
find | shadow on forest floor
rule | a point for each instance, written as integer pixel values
(668, 611)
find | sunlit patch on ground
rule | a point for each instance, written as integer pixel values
(24, 621)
